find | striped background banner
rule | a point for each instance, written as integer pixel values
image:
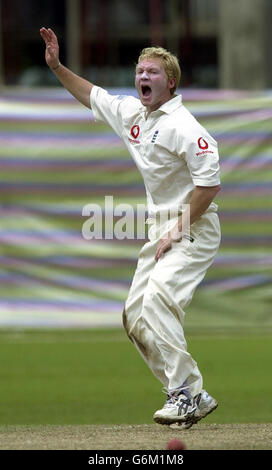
(55, 159)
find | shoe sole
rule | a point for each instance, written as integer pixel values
(168, 421)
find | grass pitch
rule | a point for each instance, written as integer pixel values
(83, 390)
(96, 377)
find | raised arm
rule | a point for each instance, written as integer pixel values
(77, 86)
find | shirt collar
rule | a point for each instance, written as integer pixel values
(168, 107)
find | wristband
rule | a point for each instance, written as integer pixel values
(55, 68)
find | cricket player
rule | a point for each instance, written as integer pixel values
(178, 160)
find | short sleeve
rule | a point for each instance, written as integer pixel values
(202, 159)
(106, 108)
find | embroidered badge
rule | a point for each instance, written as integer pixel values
(154, 137)
(135, 131)
(202, 143)
(204, 146)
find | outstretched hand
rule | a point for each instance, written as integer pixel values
(52, 47)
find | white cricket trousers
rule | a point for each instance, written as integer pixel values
(154, 311)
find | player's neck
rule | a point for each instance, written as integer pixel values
(150, 109)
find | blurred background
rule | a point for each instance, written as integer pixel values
(55, 159)
(220, 44)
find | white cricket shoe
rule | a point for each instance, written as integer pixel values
(205, 404)
(178, 408)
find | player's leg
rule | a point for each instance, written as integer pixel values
(177, 405)
(142, 334)
(158, 330)
(144, 341)
(152, 322)
(170, 288)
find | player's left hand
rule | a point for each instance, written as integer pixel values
(52, 47)
(164, 245)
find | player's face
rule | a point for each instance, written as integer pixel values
(152, 84)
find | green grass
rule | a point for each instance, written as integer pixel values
(97, 377)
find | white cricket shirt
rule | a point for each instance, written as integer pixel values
(171, 149)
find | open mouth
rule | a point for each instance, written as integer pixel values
(146, 91)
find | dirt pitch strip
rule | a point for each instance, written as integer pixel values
(136, 437)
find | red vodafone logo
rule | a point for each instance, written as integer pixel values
(135, 131)
(202, 143)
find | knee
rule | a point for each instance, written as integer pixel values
(138, 335)
(125, 323)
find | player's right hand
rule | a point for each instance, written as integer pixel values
(52, 47)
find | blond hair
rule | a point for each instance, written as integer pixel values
(169, 61)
